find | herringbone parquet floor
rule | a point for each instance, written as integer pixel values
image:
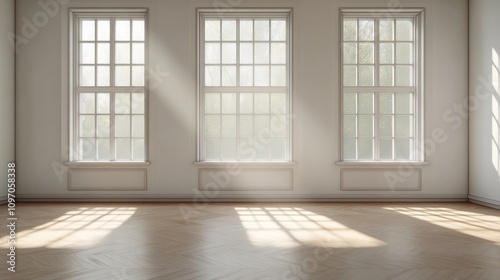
(372, 241)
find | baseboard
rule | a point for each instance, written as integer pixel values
(242, 198)
(485, 201)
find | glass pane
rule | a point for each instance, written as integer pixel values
(87, 126)
(261, 124)
(278, 76)
(103, 103)
(229, 75)
(138, 149)
(349, 103)
(350, 29)
(212, 125)
(87, 53)
(138, 53)
(103, 126)
(385, 126)
(403, 126)
(261, 103)
(229, 53)
(402, 149)
(385, 149)
(278, 53)
(87, 76)
(122, 147)
(212, 53)
(386, 76)
(212, 30)
(262, 53)
(404, 54)
(386, 53)
(138, 76)
(350, 75)
(229, 30)
(246, 103)
(122, 53)
(138, 30)
(278, 149)
(365, 149)
(263, 151)
(212, 148)
(246, 53)
(366, 75)
(365, 103)
(229, 103)
(278, 126)
(262, 30)
(103, 53)
(366, 53)
(228, 126)
(349, 126)
(137, 103)
(103, 149)
(404, 76)
(246, 30)
(87, 30)
(278, 30)
(350, 53)
(404, 30)
(103, 31)
(212, 103)
(349, 149)
(246, 75)
(386, 103)
(278, 103)
(138, 126)
(246, 126)
(212, 76)
(404, 103)
(122, 75)
(365, 126)
(122, 103)
(386, 30)
(103, 76)
(262, 75)
(122, 30)
(87, 103)
(87, 149)
(122, 126)
(229, 149)
(366, 29)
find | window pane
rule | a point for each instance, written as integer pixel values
(103, 126)
(122, 30)
(278, 149)
(246, 125)
(246, 53)
(403, 126)
(404, 103)
(404, 54)
(138, 53)
(385, 126)
(229, 103)
(122, 147)
(212, 125)
(402, 149)
(229, 149)
(122, 103)
(229, 75)
(262, 30)
(212, 148)
(212, 53)
(229, 126)
(386, 76)
(261, 103)
(138, 148)
(122, 76)
(138, 76)
(87, 55)
(246, 30)
(229, 30)
(350, 53)
(87, 103)
(103, 30)
(103, 103)
(122, 53)
(261, 125)
(246, 103)
(138, 126)
(366, 75)
(103, 53)
(262, 75)
(278, 53)
(278, 76)
(366, 53)
(103, 76)
(278, 30)
(386, 30)
(87, 30)
(404, 76)
(137, 103)
(103, 149)
(212, 103)
(138, 30)
(365, 149)
(350, 126)
(386, 103)
(278, 103)
(365, 126)
(229, 53)
(386, 53)
(385, 149)
(212, 76)
(262, 53)
(366, 29)
(350, 75)
(278, 126)
(350, 103)
(87, 149)
(87, 76)
(87, 126)
(212, 30)
(350, 30)
(404, 30)
(349, 149)
(122, 126)
(246, 75)
(366, 103)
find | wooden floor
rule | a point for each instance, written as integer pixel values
(254, 241)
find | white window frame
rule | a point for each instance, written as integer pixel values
(203, 13)
(417, 14)
(74, 16)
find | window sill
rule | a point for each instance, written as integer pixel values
(382, 164)
(250, 164)
(107, 164)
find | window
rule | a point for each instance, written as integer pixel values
(381, 85)
(244, 80)
(109, 88)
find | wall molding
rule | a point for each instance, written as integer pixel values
(484, 201)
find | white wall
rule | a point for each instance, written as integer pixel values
(7, 97)
(42, 107)
(484, 92)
